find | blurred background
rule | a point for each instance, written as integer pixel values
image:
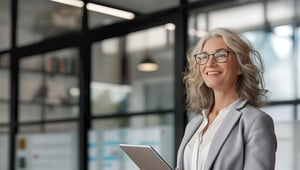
(80, 77)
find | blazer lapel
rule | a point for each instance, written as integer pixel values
(191, 129)
(221, 136)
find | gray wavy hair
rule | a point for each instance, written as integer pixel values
(250, 84)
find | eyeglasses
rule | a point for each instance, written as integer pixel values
(220, 56)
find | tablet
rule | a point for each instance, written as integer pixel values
(145, 157)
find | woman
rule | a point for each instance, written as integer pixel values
(224, 85)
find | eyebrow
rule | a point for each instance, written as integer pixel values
(219, 49)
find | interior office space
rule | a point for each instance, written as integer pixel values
(72, 87)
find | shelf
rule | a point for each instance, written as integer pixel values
(41, 72)
(50, 74)
(41, 103)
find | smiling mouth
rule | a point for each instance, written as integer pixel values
(213, 73)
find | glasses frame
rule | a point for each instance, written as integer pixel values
(214, 57)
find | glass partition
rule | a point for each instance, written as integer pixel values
(4, 110)
(297, 54)
(156, 130)
(298, 112)
(276, 49)
(280, 113)
(117, 84)
(5, 24)
(51, 151)
(121, 86)
(41, 19)
(4, 147)
(49, 86)
(280, 11)
(5, 88)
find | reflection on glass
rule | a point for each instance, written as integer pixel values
(40, 19)
(49, 86)
(5, 27)
(276, 51)
(119, 87)
(106, 135)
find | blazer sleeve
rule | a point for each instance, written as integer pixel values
(260, 144)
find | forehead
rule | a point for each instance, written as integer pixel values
(213, 44)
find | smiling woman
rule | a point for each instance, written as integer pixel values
(225, 91)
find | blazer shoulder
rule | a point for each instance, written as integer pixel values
(255, 117)
(250, 112)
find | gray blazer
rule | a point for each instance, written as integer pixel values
(245, 141)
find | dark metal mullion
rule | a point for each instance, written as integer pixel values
(50, 44)
(84, 86)
(29, 123)
(181, 41)
(14, 90)
(4, 52)
(124, 60)
(295, 40)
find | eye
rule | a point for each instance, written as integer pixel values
(221, 54)
(202, 56)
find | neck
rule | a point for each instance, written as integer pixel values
(223, 100)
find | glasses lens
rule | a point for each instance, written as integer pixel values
(201, 58)
(221, 56)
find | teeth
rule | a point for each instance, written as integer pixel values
(212, 73)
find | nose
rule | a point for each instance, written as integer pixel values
(211, 61)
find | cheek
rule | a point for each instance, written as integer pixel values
(201, 69)
(235, 68)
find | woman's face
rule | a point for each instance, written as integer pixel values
(220, 76)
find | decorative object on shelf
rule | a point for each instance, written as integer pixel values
(71, 96)
(4, 61)
(60, 65)
(52, 65)
(41, 93)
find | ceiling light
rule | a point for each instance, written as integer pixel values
(75, 3)
(147, 65)
(170, 26)
(110, 11)
(98, 8)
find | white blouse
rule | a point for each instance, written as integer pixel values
(197, 149)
